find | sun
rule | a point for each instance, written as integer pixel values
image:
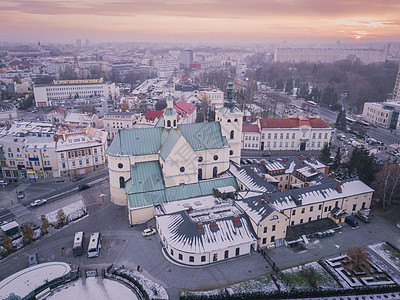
(357, 37)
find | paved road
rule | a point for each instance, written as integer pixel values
(50, 190)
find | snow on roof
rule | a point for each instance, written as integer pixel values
(254, 209)
(348, 189)
(274, 166)
(78, 118)
(182, 234)
(26, 281)
(243, 175)
(9, 226)
(198, 202)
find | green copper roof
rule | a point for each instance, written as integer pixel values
(169, 112)
(170, 143)
(137, 141)
(203, 136)
(143, 197)
(160, 122)
(146, 141)
(146, 176)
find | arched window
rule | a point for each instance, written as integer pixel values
(168, 123)
(122, 182)
(231, 152)
(200, 174)
(174, 123)
(229, 120)
(232, 134)
(215, 172)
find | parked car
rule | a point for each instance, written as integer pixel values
(77, 178)
(38, 202)
(149, 231)
(83, 187)
(21, 195)
(266, 154)
(351, 221)
(3, 182)
(249, 161)
(363, 218)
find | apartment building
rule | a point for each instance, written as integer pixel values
(396, 90)
(69, 89)
(114, 121)
(81, 152)
(251, 137)
(383, 114)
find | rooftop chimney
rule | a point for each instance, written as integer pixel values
(338, 186)
(284, 159)
(306, 183)
(308, 156)
(262, 201)
(326, 171)
(263, 195)
(312, 170)
(200, 225)
(213, 223)
(236, 218)
(268, 199)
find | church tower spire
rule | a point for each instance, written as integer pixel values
(170, 115)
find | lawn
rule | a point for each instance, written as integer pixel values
(388, 253)
(308, 277)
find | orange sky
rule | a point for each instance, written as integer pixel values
(191, 20)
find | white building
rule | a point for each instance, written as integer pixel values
(294, 133)
(81, 152)
(64, 89)
(114, 121)
(383, 114)
(215, 98)
(251, 137)
(198, 231)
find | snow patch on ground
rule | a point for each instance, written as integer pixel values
(92, 288)
(154, 290)
(295, 279)
(72, 211)
(389, 254)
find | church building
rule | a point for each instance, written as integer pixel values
(171, 161)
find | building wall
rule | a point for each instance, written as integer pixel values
(271, 229)
(140, 215)
(377, 115)
(291, 139)
(251, 141)
(182, 157)
(232, 122)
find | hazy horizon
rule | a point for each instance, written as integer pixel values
(192, 21)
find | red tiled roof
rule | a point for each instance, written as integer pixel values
(293, 122)
(184, 106)
(151, 115)
(250, 128)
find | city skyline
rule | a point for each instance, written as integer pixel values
(200, 20)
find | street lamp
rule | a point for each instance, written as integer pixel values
(102, 198)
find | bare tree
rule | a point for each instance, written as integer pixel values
(387, 184)
(27, 234)
(358, 258)
(7, 243)
(61, 218)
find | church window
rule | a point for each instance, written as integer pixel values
(229, 120)
(200, 159)
(236, 120)
(232, 135)
(122, 182)
(174, 123)
(182, 169)
(215, 172)
(168, 123)
(200, 174)
(231, 152)
(120, 166)
(215, 157)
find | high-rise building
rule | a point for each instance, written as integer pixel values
(87, 42)
(396, 90)
(186, 58)
(78, 43)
